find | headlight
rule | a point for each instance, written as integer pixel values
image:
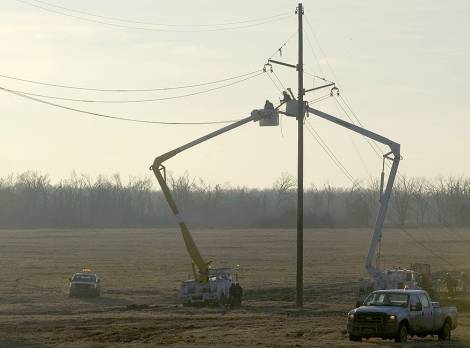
(392, 317)
(351, 316)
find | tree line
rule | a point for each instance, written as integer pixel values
(31, 200)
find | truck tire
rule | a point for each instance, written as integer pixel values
(355, 338)
(445, 332)
(402, 333)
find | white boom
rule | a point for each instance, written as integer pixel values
(374, 271)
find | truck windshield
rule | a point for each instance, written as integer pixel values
(90, 278)
(387, 299)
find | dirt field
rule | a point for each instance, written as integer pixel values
(141, 271)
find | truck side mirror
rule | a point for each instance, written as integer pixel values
(417, 307)
(358, 304)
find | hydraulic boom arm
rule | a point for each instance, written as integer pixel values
(385, 195)
(200, 267)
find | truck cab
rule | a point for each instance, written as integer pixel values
(395, 314)
(84, 283)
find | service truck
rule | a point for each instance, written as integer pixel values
(395, 314)
(84, 283)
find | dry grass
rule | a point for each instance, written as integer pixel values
(141, 271)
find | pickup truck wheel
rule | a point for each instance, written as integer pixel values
(444, 334)
(355, 338)
(402, 334)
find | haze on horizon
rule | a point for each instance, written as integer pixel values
(403, 66)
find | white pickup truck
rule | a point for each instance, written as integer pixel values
(395, 314)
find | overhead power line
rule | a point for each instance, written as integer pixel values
(273, 20)
(279, 89)
(126, 20)
(329, 152)
(356, 183)
(371, 143)
(375, 147)
(129, 119)
(279, 50)
(127, 90)
(425, 247)
(139, 100)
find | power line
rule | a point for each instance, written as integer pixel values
(357, 118)
(284, 44)
(321, 49)
(319, 99)
(160, 24)
(351, 178)
(401, 177)
(446, 227)
(112, 117)
(317, 77)
(313, 52)
(128, 90)
(153, 29)
(328, 151)
(139, 100)
(432, 252)
(376, 149)
(373, 145)
(365, 138)
(278, 80)
(274, 83)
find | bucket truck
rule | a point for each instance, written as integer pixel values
(379, 279)
(208, 285)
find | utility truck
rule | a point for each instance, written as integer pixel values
(84, 283)
(395, 314)
(379, 279)
(208, 285)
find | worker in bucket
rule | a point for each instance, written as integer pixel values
(268, 105)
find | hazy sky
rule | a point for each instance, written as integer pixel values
(403, 65)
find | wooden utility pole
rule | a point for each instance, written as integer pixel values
(299, 114)
(300, 166)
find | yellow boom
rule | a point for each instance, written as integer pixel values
(200, 267)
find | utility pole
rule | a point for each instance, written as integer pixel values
(300, 166)
(299, 113)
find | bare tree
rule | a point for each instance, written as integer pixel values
(403, 193)
(284, 185)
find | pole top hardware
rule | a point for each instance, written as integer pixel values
(267, 66)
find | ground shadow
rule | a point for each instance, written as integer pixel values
(17, 344)
(417, 343)
(311, 292)
(106, 301)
